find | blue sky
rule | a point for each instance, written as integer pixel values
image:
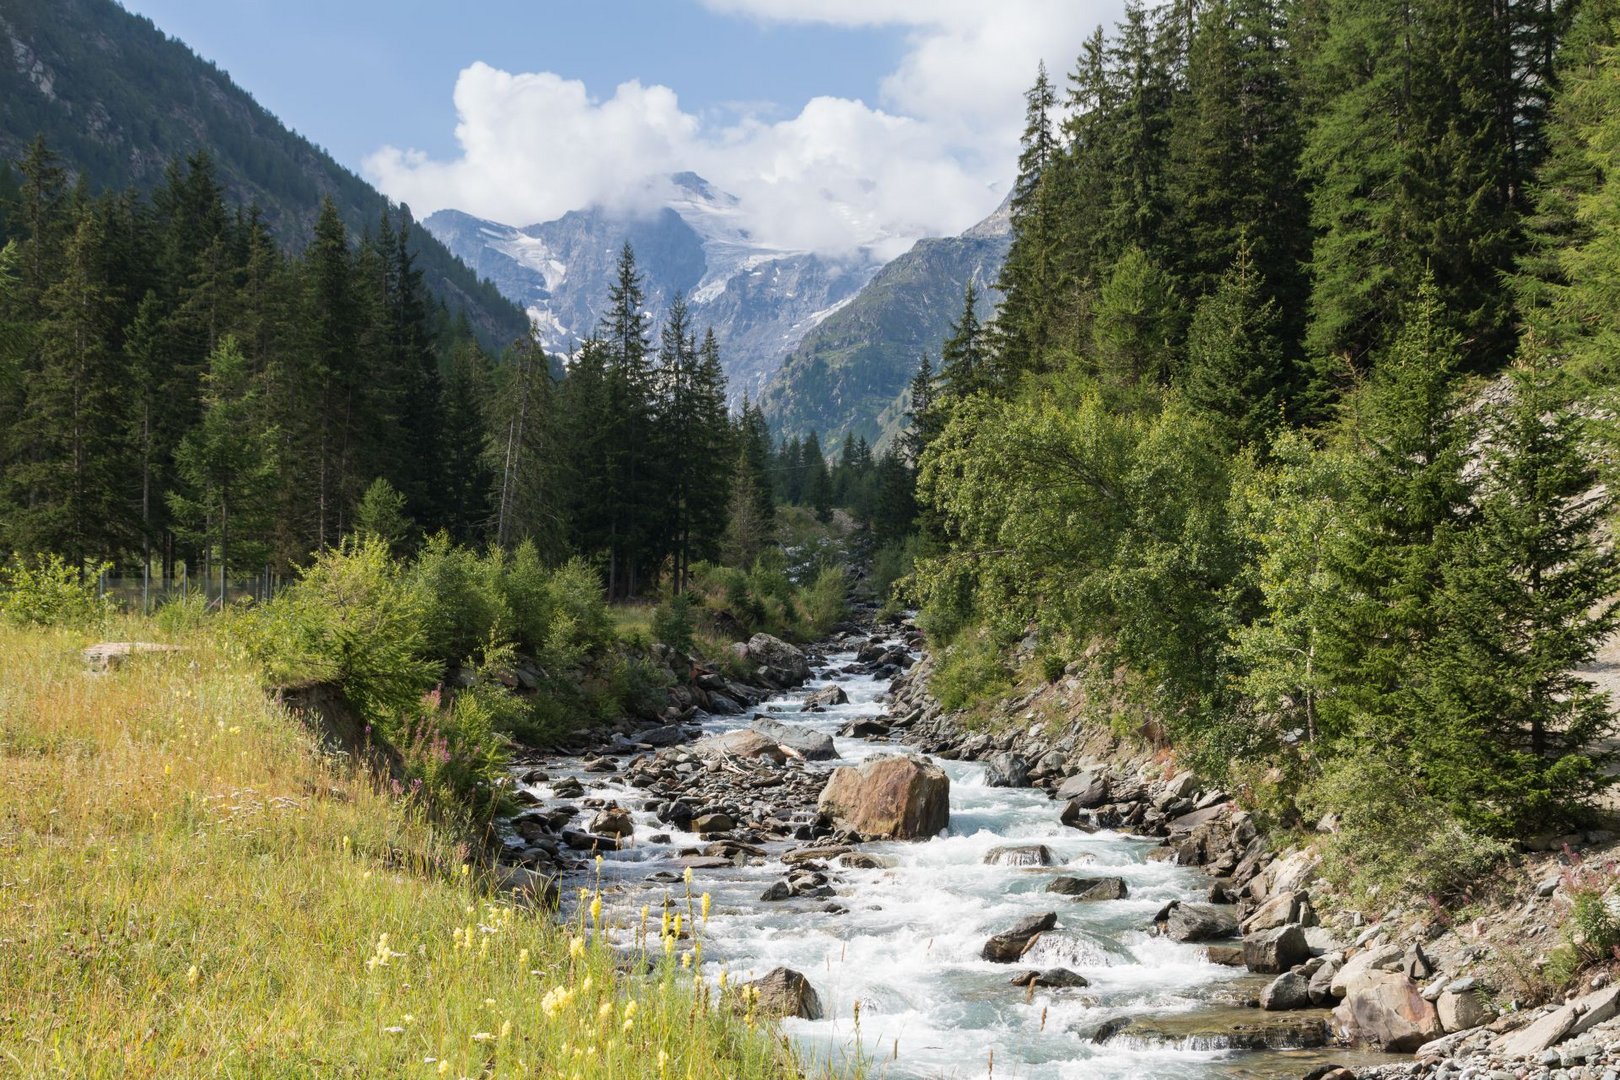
(353, 75)
(840, 125)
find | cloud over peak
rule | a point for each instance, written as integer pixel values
(932, 156)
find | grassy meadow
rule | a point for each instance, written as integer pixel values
(189, 888)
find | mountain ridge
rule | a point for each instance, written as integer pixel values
(118, 99)
(760, 299)
(849, 374)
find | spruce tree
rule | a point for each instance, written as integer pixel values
(964, 360)
(1528, 599)
(225, 469)
(924, 420)
(1235, 367)
(1136, 332)
(524, 454)
(73, 483)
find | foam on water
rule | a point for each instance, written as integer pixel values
(907, 949)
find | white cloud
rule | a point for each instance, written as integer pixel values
(932, 156)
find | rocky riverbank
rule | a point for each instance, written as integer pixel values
(738, 776)
(1454, 993)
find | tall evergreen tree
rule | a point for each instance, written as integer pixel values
(225, 468)
(524, 454)
(70, 482)
(1235, 367)
(964, 360)
(1528, 599)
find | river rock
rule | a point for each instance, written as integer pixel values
(613, 820)
(1564, 1022)
(1321, 985)
(568, 788)
(721, 705)
(1272, 952)
(1461, 1010)
(1386, 1009)
(826, 696)
(807, 743)
(784, 992)
(895, 797)
(1055, 978)
(865, 860)
(785, 663)
(1006, 769)
(1290, 990)
(1199, 922)
(1372, 958)
(1085, 791)
(743, 743)
(663, 735)
(864, 727)
(1106, 888)
(712, 824)
(1010, 944)
(1280, 910)
(1021, 855)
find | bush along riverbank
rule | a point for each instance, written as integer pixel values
(1514, 979)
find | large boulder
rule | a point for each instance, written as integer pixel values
(1199, 922)
(742, 743)
(613, 820)
(1014, 942)
(1280, 910)
(804, 742)
(1460, 1010)
(784, 992)
(892, 797)
(1272, 952)
(1006, 769)
(1087, 790)
(1386, 1009)
(785, 663)
(1373, 958)
(1290, 990)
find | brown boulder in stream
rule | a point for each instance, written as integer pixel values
(891, 797)
(1009, 945)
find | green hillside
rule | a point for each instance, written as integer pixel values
(849, 372)
(119, 100)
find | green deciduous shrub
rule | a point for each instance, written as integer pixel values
(1394, 837)
(47, 591)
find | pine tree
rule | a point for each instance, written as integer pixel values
(924, 420)
(964, 360)
(1022, 329)
(420, 472)
(1136, 333)
(1417, 166)
(468, 480)
(70, 479)
(330, 391)
(1235, 367)
(524, 454)
(1407, 499)
(623, 332)
(818, 492)
(1569, 280)
(1528, 599)
(1234, 156)
(225, 468)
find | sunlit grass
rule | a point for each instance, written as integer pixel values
(188, 889)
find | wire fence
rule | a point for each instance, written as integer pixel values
(148, 594)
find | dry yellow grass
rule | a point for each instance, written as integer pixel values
(188, 889)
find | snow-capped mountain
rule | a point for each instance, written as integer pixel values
(760, 300)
